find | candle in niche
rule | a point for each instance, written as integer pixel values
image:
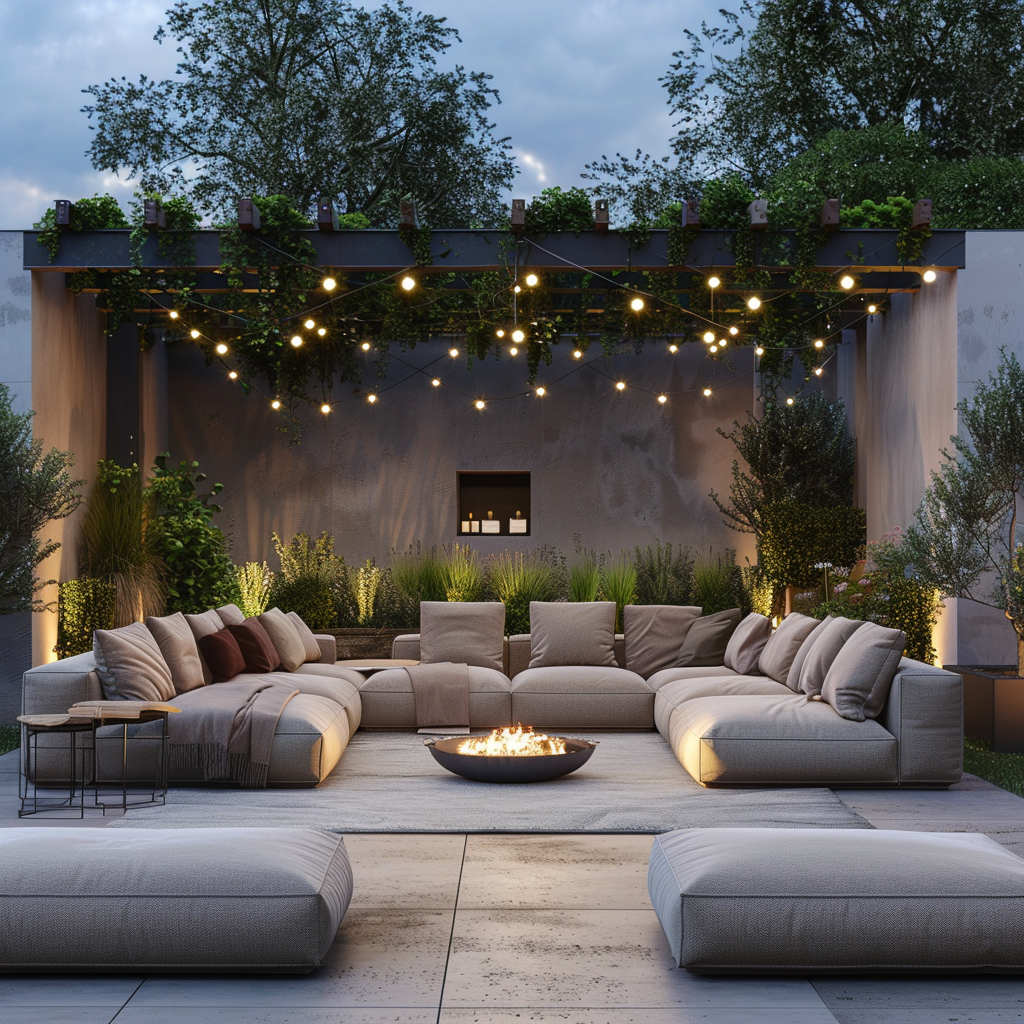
(474, 524)
(517, 525)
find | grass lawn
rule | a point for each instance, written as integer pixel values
(8, 738)
(1004, 770)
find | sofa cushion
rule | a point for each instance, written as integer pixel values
(707, 639)
(258, 651)
(285, 638)
(819, 658)
(767, 739)
(572, 633)
(674, 694)
(179, 650)
(793, 676)
(766, 901)
(784, 644)
(582, 697)
(670, 675)
(744, 648)
(231, 615)
(130, 665)
(310, 646)
(221, 652)
(464, 632)
(858, 681)
(653, 633)
(202, 625)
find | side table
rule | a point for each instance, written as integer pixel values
(34, 726)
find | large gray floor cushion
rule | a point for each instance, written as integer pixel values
(211, 899)
(746, 900)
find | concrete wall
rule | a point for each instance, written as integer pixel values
(609, 470)
(15, 321)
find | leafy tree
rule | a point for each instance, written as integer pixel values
(35, 489)
(308, 97)
(965, 530)
(771, 79)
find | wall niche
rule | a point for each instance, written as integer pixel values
(494, 504)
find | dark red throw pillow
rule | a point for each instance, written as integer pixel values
(256, 646)
(222, 654)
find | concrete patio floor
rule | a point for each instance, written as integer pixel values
(512, 928)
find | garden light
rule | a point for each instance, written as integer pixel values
(408, 283)
(929, 276)
(329, 284)
(222, 349)
(194, 333)
(453, 352)
(846, 282)
(620, 386)
(636, 305)
(713, 282)
(275, 404)
(325, 408)
(753, 302)
(662, 399)
(309, 325)
(709, 336)
(532, 280)
(480, 403)
(518, 336)
(436, 383)
(296, 341)
(365, 346)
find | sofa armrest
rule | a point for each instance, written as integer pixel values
(518, 654)
(328, 648)
(925, 712)
(406, 646)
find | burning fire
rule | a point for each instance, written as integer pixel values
(517, 742)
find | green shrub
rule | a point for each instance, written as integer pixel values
(364, 590)
(517, 580)
(311, 579)
(255, 580)
(83, 606)
(795, 538)
(461, 574)
(555, 210)
(395, 608)
(717, 583)
(618, 584)
(419, 575)
(1003, 770)
(724, 202)
(585, 580)
(663, 577)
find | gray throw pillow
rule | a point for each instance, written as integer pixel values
(203, 624)
(464, 632)
(707, 639)
(179, 649)
(130, 665)
(653, 633)
(793, 676)
(857, 685)
(285, 638)
(313, 652)
(781, 650)
(820, 657)
(743, 651)
(572, 633)
(231, 615)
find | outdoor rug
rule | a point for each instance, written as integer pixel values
(388, 782)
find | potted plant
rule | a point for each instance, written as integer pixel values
(964, 542)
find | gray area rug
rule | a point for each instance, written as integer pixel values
(388, 782)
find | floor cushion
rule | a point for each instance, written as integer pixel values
(582, 697)
(250, 900)
(674, 694)
(753, 900)
(760, 739)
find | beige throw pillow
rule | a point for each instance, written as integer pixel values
(178, 646)
(653, 633)
(707, 639)
(744, 648)
(465, 632)
(572, 633)
(820, 657)
(202, 625)
(312, 648)
(130, 665)
(285, 638)
(231, 615)
(793, 676)
(857, 685)
(781, 650)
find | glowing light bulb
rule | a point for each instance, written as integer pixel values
(500, 333)
(713, 282)
(233, 375)
(453, 352)
(620, 386)
(309, 325)
(275, 404)
(513, 351)
(365, 346)
(789, 401)
(173, 314)
(637, 304)
(541, 392)
(194, 333)
(480, 403)
(436, 383)
(296, 341)
(662, 399)
(758, 351)
(371, 399)
(722, 342)
(408, 283)
(222, 349)
(819, 343)
(325, 408)
(532, 280)
(734, 331)
(846, 282)
(872, 308)
(753, 302)
(709, 336)
(329, 284)
(673, 349)
(929, 276)
(518, 336)
(577, 354)
(817, 371)
(707, 392)
(713, 349)
(516, 289)
(321, 331)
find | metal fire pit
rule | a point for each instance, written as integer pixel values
(531, 768)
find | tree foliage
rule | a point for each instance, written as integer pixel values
(303, 98)
(35, 489)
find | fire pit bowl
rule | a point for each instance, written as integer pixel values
(511, 768)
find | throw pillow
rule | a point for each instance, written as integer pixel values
(258, 651)
(784, 644)
(231, 615)
(179, 650)
(465, 632)
(285, 638)
(743, 651)
(572, 633)
(857, 685)
(707, 639)
(222, 654)
(202, 625)
(653, 633)
(130, 665)
(820, 657)
(312, 648)
(793, 676)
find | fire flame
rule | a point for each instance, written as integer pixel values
(517, 742)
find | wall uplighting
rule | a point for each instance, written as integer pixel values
(408, 283)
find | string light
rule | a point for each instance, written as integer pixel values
(577, 354)
(819, 343)
(662, 399)
(321, 331)
(753, 302)
(365, 346)
(713, 282)
(872, 308)
(518, 336)
(722, 342)
(408, 283)
(436, 383)
(817, 371)
(325, 408)
(500, 333)
(453, 352)
(173, 314)
(329, 284)
(222, 349)
(758, 351)
(194, 333)
(516, 289)
(789, 401)
(734, 331)
(275, 404)
(480, 403)
(707, 392)
(309, 325)
(541, 392)
(296, 341)
(233, 375)
(673, 349)
(620, 386)
(371, 398)
(846, 282)
(713, 349)
(513, 351)
(929, 276)
(531, 280)
(709, 336)
(637, 304)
